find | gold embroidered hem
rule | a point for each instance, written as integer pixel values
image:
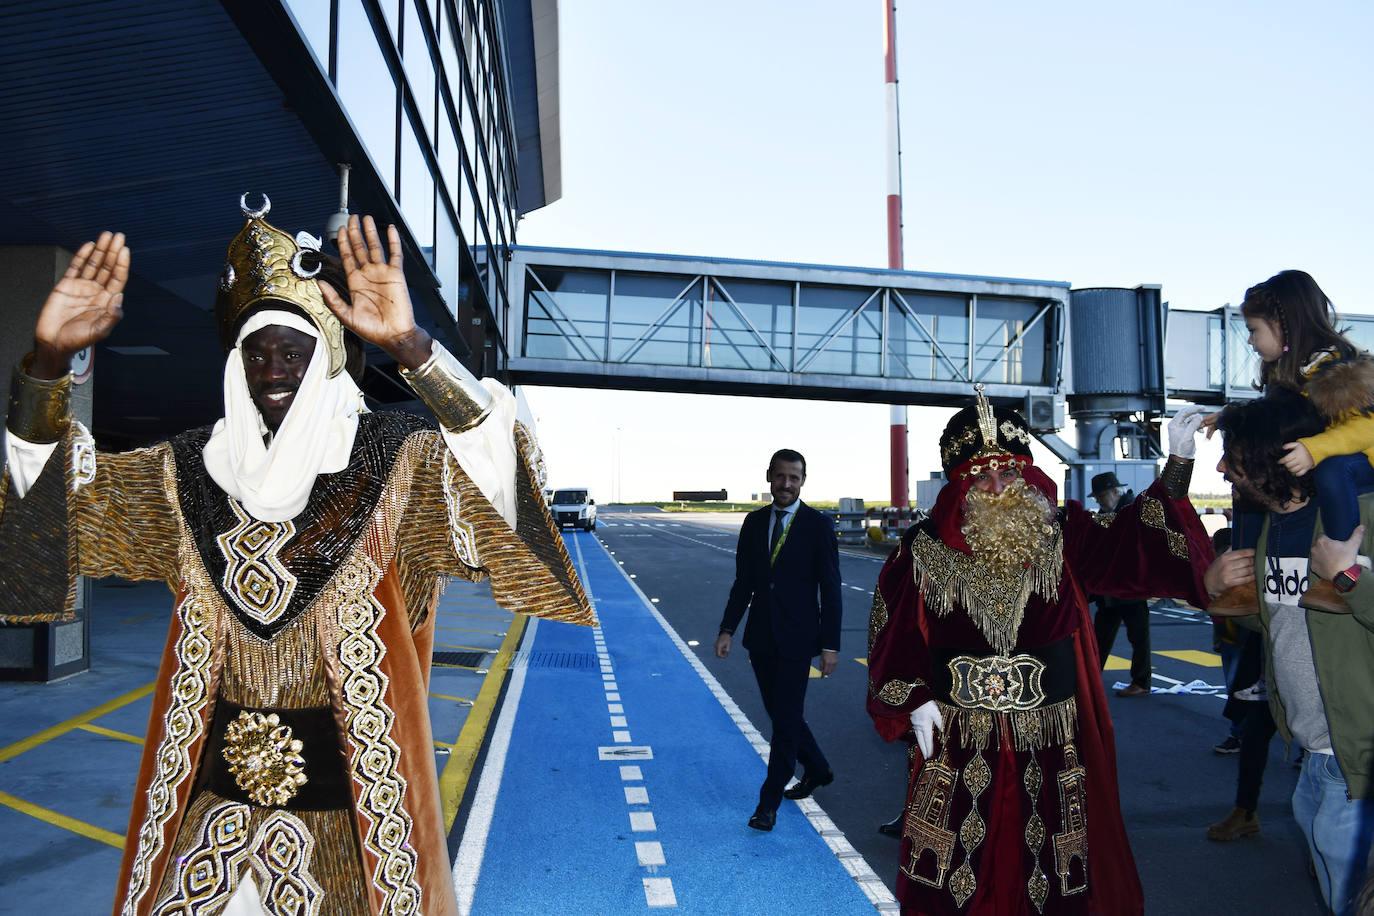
(1028, 730)
(877, 618)
(996, 604)
(303, 862)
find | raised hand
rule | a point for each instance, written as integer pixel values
(381, 312)
(83, 307)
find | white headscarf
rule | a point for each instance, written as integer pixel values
(273, 482)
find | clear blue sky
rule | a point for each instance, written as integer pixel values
(1201, 146)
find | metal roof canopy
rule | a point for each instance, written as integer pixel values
(865, 332)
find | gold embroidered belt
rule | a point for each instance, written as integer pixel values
(277, 758)
(1030, 679)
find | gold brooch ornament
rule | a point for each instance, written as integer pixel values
(265, 264)
(264, 758)
(997, 682)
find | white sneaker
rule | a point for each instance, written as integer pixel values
(1255, 693)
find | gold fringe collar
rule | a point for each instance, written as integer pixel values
(996, 604)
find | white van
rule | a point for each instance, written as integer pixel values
(574, 506)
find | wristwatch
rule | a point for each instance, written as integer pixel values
(1345, 579)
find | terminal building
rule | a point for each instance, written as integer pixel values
(440, 116)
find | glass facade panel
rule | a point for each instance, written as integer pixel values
(391, 13)
(658, 319)
(446, 259)
(565, 313)
(1000, 355)
(419, 66)
(312, 18)
(449, 169)
(830, 339)
(367, 88)
(417, 191)
(922, 327)
(733, 306)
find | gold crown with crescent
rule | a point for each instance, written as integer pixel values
(265, 265)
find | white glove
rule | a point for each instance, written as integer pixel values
(925, 721)
(1182, 430)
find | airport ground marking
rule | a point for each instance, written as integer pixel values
(61, 820)
(453, 781)
(61, 728)
(111, 733)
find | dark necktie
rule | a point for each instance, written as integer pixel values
(777, 529)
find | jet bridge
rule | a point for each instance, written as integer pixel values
(1113, 357)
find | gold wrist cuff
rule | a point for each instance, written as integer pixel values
(450, 390)
(1178, 473)
(40, 410)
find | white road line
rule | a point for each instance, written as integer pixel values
(619, 722)
(620, 737)
(650, 854)
(631, 774)
(636, 795)
(642, 822)
(467, 867)
(658, 892)
(615, 708)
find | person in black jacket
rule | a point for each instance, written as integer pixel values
(1112, 612)
(787, 575)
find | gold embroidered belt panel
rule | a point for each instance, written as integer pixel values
(1028, 680)
(277, 758)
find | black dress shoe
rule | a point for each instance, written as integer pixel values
(764, 818)
(893, 828)
(808, 784)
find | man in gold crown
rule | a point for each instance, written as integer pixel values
(288, 765)
(982, 656)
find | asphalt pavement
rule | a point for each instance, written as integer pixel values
(1172, 784)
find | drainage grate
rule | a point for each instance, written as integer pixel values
(577, 661)
(465, 659)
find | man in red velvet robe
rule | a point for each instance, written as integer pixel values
(982, 655)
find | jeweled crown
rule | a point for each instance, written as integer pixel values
(983, 437)
(264, 265)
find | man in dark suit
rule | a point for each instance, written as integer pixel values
(787, 575)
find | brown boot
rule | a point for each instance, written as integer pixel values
(1236, 601)
(1321, 595)
(1239, 823)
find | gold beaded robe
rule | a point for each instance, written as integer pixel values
(332, 609)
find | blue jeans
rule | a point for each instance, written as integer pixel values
(1340, 480)
(1338, 830)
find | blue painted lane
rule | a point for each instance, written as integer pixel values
(627, 786)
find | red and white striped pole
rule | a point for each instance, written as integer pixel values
(897, 432)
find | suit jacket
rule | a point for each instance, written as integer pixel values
(794, 603)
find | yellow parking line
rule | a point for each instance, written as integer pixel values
(1194, 657)
(47, 734)
(61, 820)
(444, 696)
(449, 645)
(459, 667)
(862, 661)
(1116, 663)
(111, 733)
(453, 781)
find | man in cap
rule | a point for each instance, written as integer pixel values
(1112, 612)
(288, 764)
(982, 656)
